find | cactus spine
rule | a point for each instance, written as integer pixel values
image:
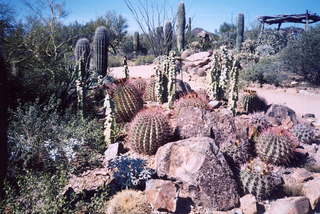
(172, 76)
(181, 26)
(234, 90)
(240, 30)
(136, 42)
(109, 119)
(168, 35)
(82, 51)
(149, 130)
(100, 47)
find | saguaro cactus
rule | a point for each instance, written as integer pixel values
(181, 26)
(240, 30)
(168, 35)
(3, 122)
(100, 47)
(136, 42)
(82, 51)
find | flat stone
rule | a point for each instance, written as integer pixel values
(199, 56)
(162, 195)
(248, 204)
(292, 205)
(200, 166)
(311, 190)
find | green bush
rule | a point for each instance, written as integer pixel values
(302, 56)
(115, 61)
(267, 70)
(144, 60)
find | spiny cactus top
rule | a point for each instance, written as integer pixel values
(257, 179)
(191, 99)
(275, 146)
(82, 49)
(251, 102)
(149, 130)
(100, 46)
(305, 133)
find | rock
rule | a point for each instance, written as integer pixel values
(200, 166)
(292, 205)
(182, 88)
(248, 204)
(233, 211)
(162, 195)
(199, 56)
(201, 72)
(281, 115)
(90, 180)
(214, 104)
(186, 53)
(311, 190)
(311, 155)
(194, 122)
(309, 116)
(112, 151)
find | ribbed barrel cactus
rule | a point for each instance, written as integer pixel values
(191, 99)
(150, 91)
(181, 26)
(127, 101)
(258, 179)
(100, 48)
(149, 130)
(304, 133)
(251, 102)
(275, 146)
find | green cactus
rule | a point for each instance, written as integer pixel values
(109, 123)
(304, 133)
(275, 146)
(127, 101)
(168, 37)
(257, 179)
(181, 26)
(100, 48)
(172, 76)
(240, 31)
(234, 86)
(215, 89)
(82, 50)
(251, 102)
(136, 42)
(149, 130)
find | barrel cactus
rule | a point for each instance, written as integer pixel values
(139, 83)
(251, 102)
(304, 133)
(258, 179)
(275, 146)
(100, 48)
(127, 101)
(149, 130)
(150, 91)
(238, 152)
(191, 99)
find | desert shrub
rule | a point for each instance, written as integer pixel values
(115, 61)
(144, 60)
(302, 55)
(267, 70)
(41, 139)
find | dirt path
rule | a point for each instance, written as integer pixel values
(301, 103)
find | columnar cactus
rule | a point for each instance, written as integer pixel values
(189, 28)
(240, 31)
(215, 73)
(181, 26)
(3, 121)
(258, 179)
(127, 101)
(159, 84)
(226, 61)
(100, 48)
(234, 90)
(304, 133)
(149, 130)
(82, 52)
(172, 76)
(109, 122)
(168, 37)
(275, 146)
(125, 68)
(136, 42)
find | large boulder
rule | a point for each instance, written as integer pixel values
(281, 115)
(292, 205)
(200, 166)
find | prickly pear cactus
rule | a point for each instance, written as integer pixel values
(100, 48)
(127, 101)
(275, 146)
(304, 133)
(149, 130)
(257, 179)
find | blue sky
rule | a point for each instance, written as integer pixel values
(208, 14)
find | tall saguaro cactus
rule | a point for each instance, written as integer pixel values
(136, 42)
(181, 26)
(100, 47)
(168, 35)
(240, 31)
(3, 122)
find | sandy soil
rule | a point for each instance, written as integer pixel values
(300, 101)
